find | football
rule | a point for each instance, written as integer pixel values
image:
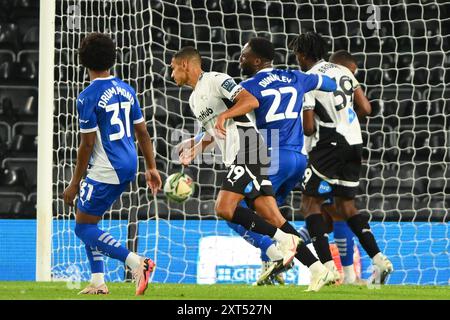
(179, 187)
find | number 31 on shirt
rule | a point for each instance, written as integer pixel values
(115, 120)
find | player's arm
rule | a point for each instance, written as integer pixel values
(326, 84)
(318, 82)
(308, 114)
(191, 142)
(146, 147)
(244, 103)
(362, 104)
(83, 155)
(308, 122)
(193, 147)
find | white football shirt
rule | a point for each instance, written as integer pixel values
(212, 95)
(334, 109)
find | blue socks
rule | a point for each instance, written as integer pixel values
(255, 239)
(343, 237)
(95, 260)
(100, 242)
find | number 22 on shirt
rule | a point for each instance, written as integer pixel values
(289, 113)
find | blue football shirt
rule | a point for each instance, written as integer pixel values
(280, 95)
(109, 107)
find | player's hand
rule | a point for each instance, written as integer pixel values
(70, 193)
(153, 180)
(220, 126)
(187, 156)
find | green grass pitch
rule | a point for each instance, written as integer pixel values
(156, 291)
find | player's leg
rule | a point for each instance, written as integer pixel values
(284, 178)
(269, 252)
(343, 237)
(94, 199)
(345, 192)
(280, 177)
(267, 208)
(361, 228)
(295, 175)
(315, 191)
(227, 208)
(97, 284)
(327, 218)
(96, 263)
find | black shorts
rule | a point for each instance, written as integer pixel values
(249, 180)
(333, 171)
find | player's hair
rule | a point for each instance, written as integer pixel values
(188, 53)
(342, 56)
(262, 47)
(97, 52)
(311, 44)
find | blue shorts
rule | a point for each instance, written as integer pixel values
(285, 174)
(97, 197)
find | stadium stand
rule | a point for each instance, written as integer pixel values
(19, 37)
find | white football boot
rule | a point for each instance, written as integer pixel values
(382, 268)
(288, 248)
(91, 289)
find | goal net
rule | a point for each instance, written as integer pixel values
(402, 52)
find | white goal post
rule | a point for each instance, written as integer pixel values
(45, 141)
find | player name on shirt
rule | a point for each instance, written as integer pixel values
(110, 92)
(272, 78)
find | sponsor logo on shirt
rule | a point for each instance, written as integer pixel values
(229, 84)
(205, 114)
(249, 187)
(324, 187)
(351, 115)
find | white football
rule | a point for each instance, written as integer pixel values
(179, 187)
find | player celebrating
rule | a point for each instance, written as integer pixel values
(280, 96)
(108, 112)
(335, 150)
(243, 151)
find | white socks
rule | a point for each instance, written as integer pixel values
(349, 274)
(97, 279)
(133, 260)
(316, 267)
(281, 236)
(330, 265)
(378, 259)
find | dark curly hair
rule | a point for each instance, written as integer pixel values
(311, 44)
(97, 52)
